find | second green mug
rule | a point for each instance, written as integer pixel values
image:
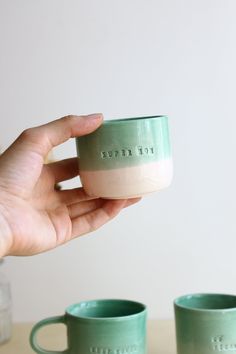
(206, 324)
(100, 327)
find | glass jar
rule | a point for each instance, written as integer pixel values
(5, 308)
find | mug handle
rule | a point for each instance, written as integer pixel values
(33, 335)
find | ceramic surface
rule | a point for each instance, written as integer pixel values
(100, 327)
(206, 324)
(125, 158)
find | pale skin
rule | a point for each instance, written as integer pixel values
(34, 216)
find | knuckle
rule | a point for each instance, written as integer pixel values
(31, 134)
(69, 117)
(36, 139)
(26, 133)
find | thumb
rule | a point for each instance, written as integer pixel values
(40, 140)
(43, 138)
(22, 162)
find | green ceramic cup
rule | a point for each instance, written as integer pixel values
(205, 324)
(126, 158)
(100, 327)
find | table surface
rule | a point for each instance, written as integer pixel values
(161, 338)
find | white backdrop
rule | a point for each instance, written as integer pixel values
(127, 58)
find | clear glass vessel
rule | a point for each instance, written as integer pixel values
(5, 308)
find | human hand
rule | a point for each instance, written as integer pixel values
(34, 216)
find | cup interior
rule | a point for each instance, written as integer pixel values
(207, 301)
(106, 309)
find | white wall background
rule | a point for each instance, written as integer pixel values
(129, 58)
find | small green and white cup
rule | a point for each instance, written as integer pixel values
(205, 324)
(126, 158)
(99, 327)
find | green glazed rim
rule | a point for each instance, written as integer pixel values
(111, 121)
(180, 302)
(140, 309)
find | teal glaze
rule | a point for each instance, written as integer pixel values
(124, 143)
(100, 327)
(205, 324)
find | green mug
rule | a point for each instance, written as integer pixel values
(126, 158)
(100, 327)
(205, 324)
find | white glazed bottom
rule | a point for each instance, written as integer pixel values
(128, 182)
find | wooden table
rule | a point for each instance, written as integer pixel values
(161, 338)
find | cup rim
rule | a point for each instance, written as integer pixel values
(194, 309)
(129, 119)
(143, 309)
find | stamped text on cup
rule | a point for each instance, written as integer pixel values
(128, 152)
(220, 346)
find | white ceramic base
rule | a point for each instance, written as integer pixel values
(128, 182)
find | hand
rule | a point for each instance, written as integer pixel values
(34, 216)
